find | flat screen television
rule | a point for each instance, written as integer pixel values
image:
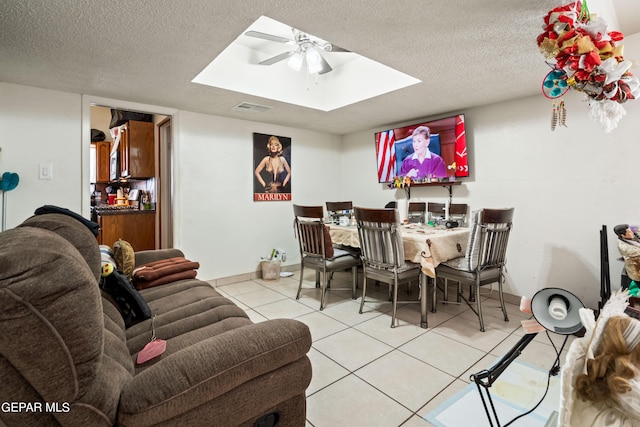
(444, 156)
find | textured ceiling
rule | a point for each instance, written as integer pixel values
(466, 53)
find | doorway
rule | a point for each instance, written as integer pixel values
(163, 142)
(165, 183)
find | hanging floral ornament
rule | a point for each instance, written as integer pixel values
(588, 59)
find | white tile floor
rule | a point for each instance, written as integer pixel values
(367, 374)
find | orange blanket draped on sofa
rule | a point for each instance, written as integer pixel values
(164, 271)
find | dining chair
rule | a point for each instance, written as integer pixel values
(416, 212)
(317, 251)
(383, 253)
(458, 212)
(435, 212)
(484, 259)
(335, 210)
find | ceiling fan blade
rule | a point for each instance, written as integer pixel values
(269, 37)
(325, 66)
(335, 48)
(277, 58)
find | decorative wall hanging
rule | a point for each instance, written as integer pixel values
(8, 182)
(585, 57)
(272, 167)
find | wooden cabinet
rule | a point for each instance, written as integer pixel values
(136, 150)
(137, 228)
(103, 151)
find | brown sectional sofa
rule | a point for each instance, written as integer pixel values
(66, 358)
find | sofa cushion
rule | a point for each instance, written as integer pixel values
(74, 232)
(94, 227)
(185, 324)
(190, 382)
(47, 288)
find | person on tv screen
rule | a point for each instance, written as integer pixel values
(423, 163)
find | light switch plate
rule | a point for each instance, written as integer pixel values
(45, 171)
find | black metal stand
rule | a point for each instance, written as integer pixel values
(605, 278)
(485, 378)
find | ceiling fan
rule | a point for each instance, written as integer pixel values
(307, 49)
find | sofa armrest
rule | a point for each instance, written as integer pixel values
(145, 257)
(204, 371)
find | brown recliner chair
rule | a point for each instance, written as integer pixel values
(66, 358)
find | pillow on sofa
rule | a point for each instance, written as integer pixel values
(125, 257)
(132, 306)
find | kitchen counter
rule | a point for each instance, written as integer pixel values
(118, 210)
(135, 226)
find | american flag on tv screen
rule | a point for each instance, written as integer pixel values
(386, 156)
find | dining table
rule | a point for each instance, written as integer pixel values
(423, 244)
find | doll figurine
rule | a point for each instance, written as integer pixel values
(601, 376)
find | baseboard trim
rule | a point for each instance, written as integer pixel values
(255, 275)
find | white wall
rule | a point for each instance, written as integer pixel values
(40, 127)
(217, 222)
(563, 184)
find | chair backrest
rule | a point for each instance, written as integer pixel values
(313, 236)
(416, 211)
(458, 209)
(435, 211)
(339, 206)
(337, 209)
(417, 207)
(380, 241)
(488, 240)
(458, 212)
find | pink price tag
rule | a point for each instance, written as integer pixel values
(153, 349)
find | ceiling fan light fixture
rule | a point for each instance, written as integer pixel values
(295, 61)
(314, 60)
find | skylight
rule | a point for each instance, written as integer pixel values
(354, 78)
